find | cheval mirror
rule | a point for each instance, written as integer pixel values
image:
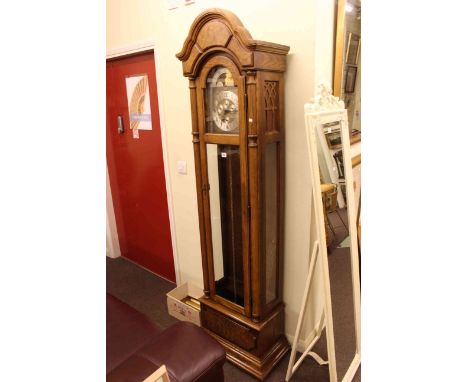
(347, 86)
(334, 241)
(347, 65)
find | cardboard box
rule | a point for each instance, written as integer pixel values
(180, 310)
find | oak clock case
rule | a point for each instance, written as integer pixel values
(237, 105)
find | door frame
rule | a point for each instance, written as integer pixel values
(113, 246)
(128, 50)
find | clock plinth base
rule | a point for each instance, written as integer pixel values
(260, 368)
(255, 347)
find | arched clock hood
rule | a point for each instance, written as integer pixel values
(218, 30)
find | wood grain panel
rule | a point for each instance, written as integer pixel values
(194, 56)
(268, 61)
(244, 55)
(213, 34)
(229, 329)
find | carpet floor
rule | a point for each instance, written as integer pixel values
(146, 292)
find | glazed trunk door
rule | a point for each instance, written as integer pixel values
(225, 188)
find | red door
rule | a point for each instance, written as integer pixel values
(135, 163)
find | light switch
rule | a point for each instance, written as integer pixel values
(182, 167)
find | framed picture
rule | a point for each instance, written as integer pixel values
(333, 140)
(351, 74)
(352, 51)
(332, 132)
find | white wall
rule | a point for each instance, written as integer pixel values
(307, 27)
(112, 242)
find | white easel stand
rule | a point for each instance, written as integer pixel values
(293, 366)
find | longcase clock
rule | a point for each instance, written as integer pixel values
(237, 97)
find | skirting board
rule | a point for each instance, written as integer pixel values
(302, 344)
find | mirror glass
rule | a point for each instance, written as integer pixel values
(337, 198)
(226, 220)
(347, 81)
(347, 86)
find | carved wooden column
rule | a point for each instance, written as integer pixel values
(196, 152)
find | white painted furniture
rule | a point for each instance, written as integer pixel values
(327, 163)
(325, 109)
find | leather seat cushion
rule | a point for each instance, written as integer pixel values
(188, 352)
(127, 330)
(135, 369)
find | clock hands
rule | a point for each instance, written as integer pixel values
(225, 118)
(229, 111)
(225, 110)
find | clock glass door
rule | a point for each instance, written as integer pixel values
(226, 221)
(221, 102)
(224, 163)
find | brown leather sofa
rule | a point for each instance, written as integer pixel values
(136, 348)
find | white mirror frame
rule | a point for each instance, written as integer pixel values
(327, 108)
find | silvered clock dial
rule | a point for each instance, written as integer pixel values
(222, 102)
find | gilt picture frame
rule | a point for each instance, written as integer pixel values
(352, 48)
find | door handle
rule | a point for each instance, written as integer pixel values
(120, 125)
